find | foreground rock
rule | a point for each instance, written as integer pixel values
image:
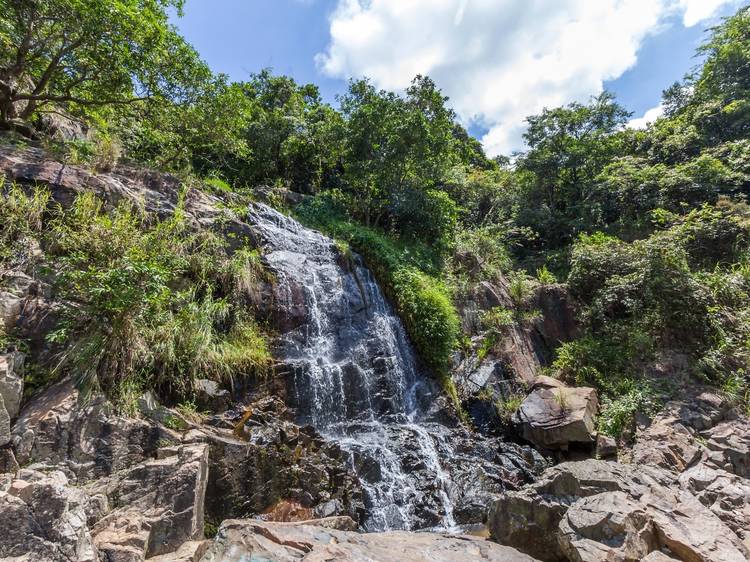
(336, 539)
(684, 492)
(705, 445)
(554, 416)
(597, 510)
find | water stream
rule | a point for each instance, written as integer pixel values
(355, 375)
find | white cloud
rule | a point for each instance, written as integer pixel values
(696, 11)
(649, 117)
(498, 60)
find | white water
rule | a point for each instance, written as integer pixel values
(355, 374)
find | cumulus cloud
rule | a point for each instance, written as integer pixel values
(498, 60)
(649, 117)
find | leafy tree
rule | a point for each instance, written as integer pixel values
(568, 147)
(81, 54)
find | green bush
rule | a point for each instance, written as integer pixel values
(618, 414)
(149, 304)
(21, 217)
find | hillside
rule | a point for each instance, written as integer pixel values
(236, 320)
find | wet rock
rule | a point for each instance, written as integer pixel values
(317, 540)
(554, 416)
(597, 510)
(210, 396)
(263, 464)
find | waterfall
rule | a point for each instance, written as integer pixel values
(355, 375)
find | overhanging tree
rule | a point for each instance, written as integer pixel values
(81, 54)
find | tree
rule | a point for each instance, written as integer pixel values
(568, 148)
(79, 54)
(397, 148)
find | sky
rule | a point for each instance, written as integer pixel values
(498, 60)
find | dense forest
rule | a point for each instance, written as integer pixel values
(649, 228)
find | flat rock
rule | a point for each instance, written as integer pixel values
(241, 540)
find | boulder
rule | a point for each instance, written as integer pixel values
(44, 520)
(162, 503)
(89, 440)
(597, 510)
(239, 540)
(554, 416)
(11, 381)
(606, 447)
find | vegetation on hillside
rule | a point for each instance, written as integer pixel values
(648, 227)
(148, 304)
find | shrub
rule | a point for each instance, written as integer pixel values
(545, 276)
(618, 413)
(21, 217)
(146, 304)
(507, 406)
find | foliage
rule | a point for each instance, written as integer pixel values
(21, 216)
(148, 303)
(87, 53)
(506, 406)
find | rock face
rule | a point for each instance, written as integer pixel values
(684, 493)
(44, 520)
(554, 416)
(11, 392)
(597, 510)
(335, 539)
(706, 446)
(11, 381)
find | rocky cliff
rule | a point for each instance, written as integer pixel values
(347, 433)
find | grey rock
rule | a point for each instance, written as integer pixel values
(162, 504)
(11, 381)
(606, 447)
(554, 416)
(89, 440)
(598, 510)
(210, 396)
(5, 435)
(44, 519)
(240, 540)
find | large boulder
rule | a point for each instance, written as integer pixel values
(334, 539)
(554, 416)
(90, 440)
(597, 510)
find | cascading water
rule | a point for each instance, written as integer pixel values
(355, 375)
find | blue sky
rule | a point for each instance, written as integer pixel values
(499, 60)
